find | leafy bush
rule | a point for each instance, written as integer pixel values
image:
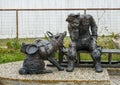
(14, 44)
(11, 57)
(12, 52)
(9, 44)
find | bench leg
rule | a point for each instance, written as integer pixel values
(109, 58)
(60, 59)
(78, 58)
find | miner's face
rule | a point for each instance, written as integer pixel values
(74, 23)
(73, 20)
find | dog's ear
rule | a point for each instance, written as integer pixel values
(23, 44)
(23, 47)
(65, 33)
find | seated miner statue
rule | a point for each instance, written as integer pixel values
(39, 51)
(83, 34)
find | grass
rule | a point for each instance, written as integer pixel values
(11, 57)
(10, 49)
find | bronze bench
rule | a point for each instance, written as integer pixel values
(107, 51)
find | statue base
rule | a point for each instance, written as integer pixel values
(80, 76)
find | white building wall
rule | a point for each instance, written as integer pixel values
(35, 24)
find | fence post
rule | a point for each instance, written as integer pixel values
(16, 23)
(85, 11)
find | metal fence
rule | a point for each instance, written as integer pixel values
(32, 23)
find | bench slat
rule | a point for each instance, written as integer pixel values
(116, 51)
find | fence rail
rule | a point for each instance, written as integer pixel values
(50, 9)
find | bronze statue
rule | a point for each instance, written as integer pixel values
(39, 51)
(83, 34)
(33, 63)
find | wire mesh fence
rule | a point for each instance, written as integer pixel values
(7, 24)
(32, 23)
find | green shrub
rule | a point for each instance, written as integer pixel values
(9, 44)
(14, 44)
(11, 57)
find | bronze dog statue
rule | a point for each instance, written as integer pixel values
(39, 51)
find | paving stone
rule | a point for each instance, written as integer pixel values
(115, 80)
(80, 76)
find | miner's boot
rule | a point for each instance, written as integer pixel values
(98, 66)
(70, 67)
(96, 55)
